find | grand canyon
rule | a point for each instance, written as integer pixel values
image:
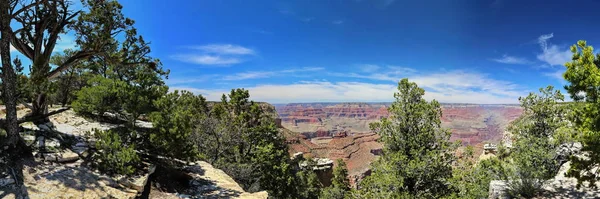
(341, 130)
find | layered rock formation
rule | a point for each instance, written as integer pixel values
(472, 124)
(358, 151)
(341, 130)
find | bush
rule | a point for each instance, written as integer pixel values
(100, 96)
(174, 123)
(114, 157)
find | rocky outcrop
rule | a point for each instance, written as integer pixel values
(358, 151)
(58, 169)
(199, 180)
(558, 187)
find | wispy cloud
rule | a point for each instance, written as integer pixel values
(558, 75)
(451, 87)
(337, 22)
(552, 54)
(459, 83)
(381, 73)
(267, 74)
(206, 59)
(369, 68)
(506, 59)
(215, 54)
(224, 49)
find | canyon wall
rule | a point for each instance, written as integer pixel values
(341, 130)
(470, 123)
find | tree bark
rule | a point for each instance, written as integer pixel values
(9, 77)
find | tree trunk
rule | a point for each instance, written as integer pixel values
(40, 107)
(9, 77)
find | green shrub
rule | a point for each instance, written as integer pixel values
(174, 123)
(113, 156)
(100, 96)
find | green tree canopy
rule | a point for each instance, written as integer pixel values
(340, 185)
(417, 155)
(583, 76)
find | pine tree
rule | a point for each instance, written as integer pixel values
(340, 185)
(417, 155)
(583, 75)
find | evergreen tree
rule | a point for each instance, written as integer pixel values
(537, 134)
(240, 138)
(340, 185)
(417, 155)
(174, 124)
(583, 75)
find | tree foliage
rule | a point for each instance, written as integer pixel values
(340, 185)
(537, 136)
(417, 154)
(471, 179)
(251, 148)
(174, 124)
(583, 76)
(114, 156)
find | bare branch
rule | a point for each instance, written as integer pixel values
(65, 65)
(24, 8)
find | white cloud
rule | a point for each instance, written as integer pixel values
(558, 75)
(450, 87)
(266, 74)
(511, 60)
(458, 83)
(552, 54)
(215, 54)
(392, 73)
(206, 59)
(225, 49)
(369, 68)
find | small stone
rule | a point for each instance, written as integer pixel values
(50, 157)
(68, 156)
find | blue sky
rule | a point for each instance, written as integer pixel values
(478, 51)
